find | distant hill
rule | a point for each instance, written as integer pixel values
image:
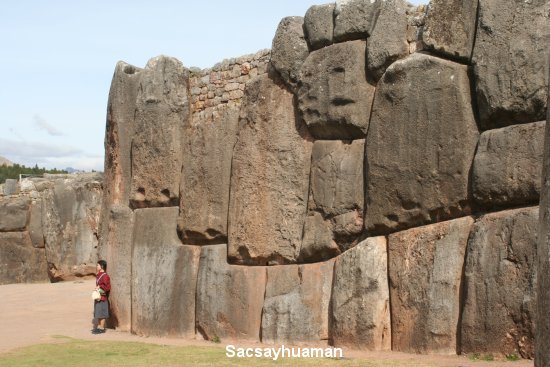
(5, 162)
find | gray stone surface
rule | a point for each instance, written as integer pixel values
(289, 49)
(35, 223)
(360, 300)
(229, 298)
(20, 262)
(511, 61)
(388, 41)
(10, 186)
(162, 107)
(451, 28)
(334, 97)
(507, 166)
(421, 143)
(164, 276)
(297, 302)
(116, 249)
(14, 214)
(425, 269)
(318, 243)
(319, 25)
(355, 19)
(269, 179)
(209, 139)
(542, 336)
(71, 212)
(336, 199)
(499, 307)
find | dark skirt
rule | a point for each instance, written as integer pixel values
(101, 309)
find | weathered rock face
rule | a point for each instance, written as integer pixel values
(209, 139)
(70, 222)
(388, 41)
(20, 261)
(289, 49)
(334, 96)
(229, 298)
(542, 337)
(319, 26)
(507, 165)
(499, 310)
(117, 251)
(336, 199)
(296, 302)
(425, 268)
(509, 61)
(355, 19)
(164, 276)
(270, 177)
(162, 107)
(15, 214)
(451, 27)
(416, 16)
(35, 223)
(413, 180)
(360, 309)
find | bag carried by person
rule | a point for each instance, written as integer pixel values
(96, 296)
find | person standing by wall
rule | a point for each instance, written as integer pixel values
(101, 305)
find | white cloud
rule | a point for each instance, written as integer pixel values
(49, 155)
(42, 124)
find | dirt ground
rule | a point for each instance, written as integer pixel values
(33, 313)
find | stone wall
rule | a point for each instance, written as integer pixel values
(377, 179)
(49, 228)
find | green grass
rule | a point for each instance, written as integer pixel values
(81, 353)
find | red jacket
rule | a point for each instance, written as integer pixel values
(104, 282)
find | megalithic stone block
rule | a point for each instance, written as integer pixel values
(269, 178)
(164, 276)
(229, 297)
(499, 307)
(425, 267)
(420, 147)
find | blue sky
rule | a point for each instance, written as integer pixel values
(59, 58)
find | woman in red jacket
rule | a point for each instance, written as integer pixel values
(101, 306)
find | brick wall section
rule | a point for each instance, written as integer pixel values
(224, 82)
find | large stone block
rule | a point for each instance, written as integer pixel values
(20, 262)
(388, 41)
(10, 187)
(360, 301)
(451, 27)
(14, 214)
(355, 19)
(35, 223)
(116, 249)
(164, 276)
(507, 166)
(209, 139)
(71, 210)
(425, 267)
(162, 108)
(420, 147)
(270, 177)
(334, 97)
(289, 49)
(319, 26)
(229, 297)
(296, 302)
(499, 309)
(336, 199)
(542, 337)
(511, 61)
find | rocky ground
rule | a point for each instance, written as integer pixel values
(33, 313)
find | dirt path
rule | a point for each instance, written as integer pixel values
(33, 313)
